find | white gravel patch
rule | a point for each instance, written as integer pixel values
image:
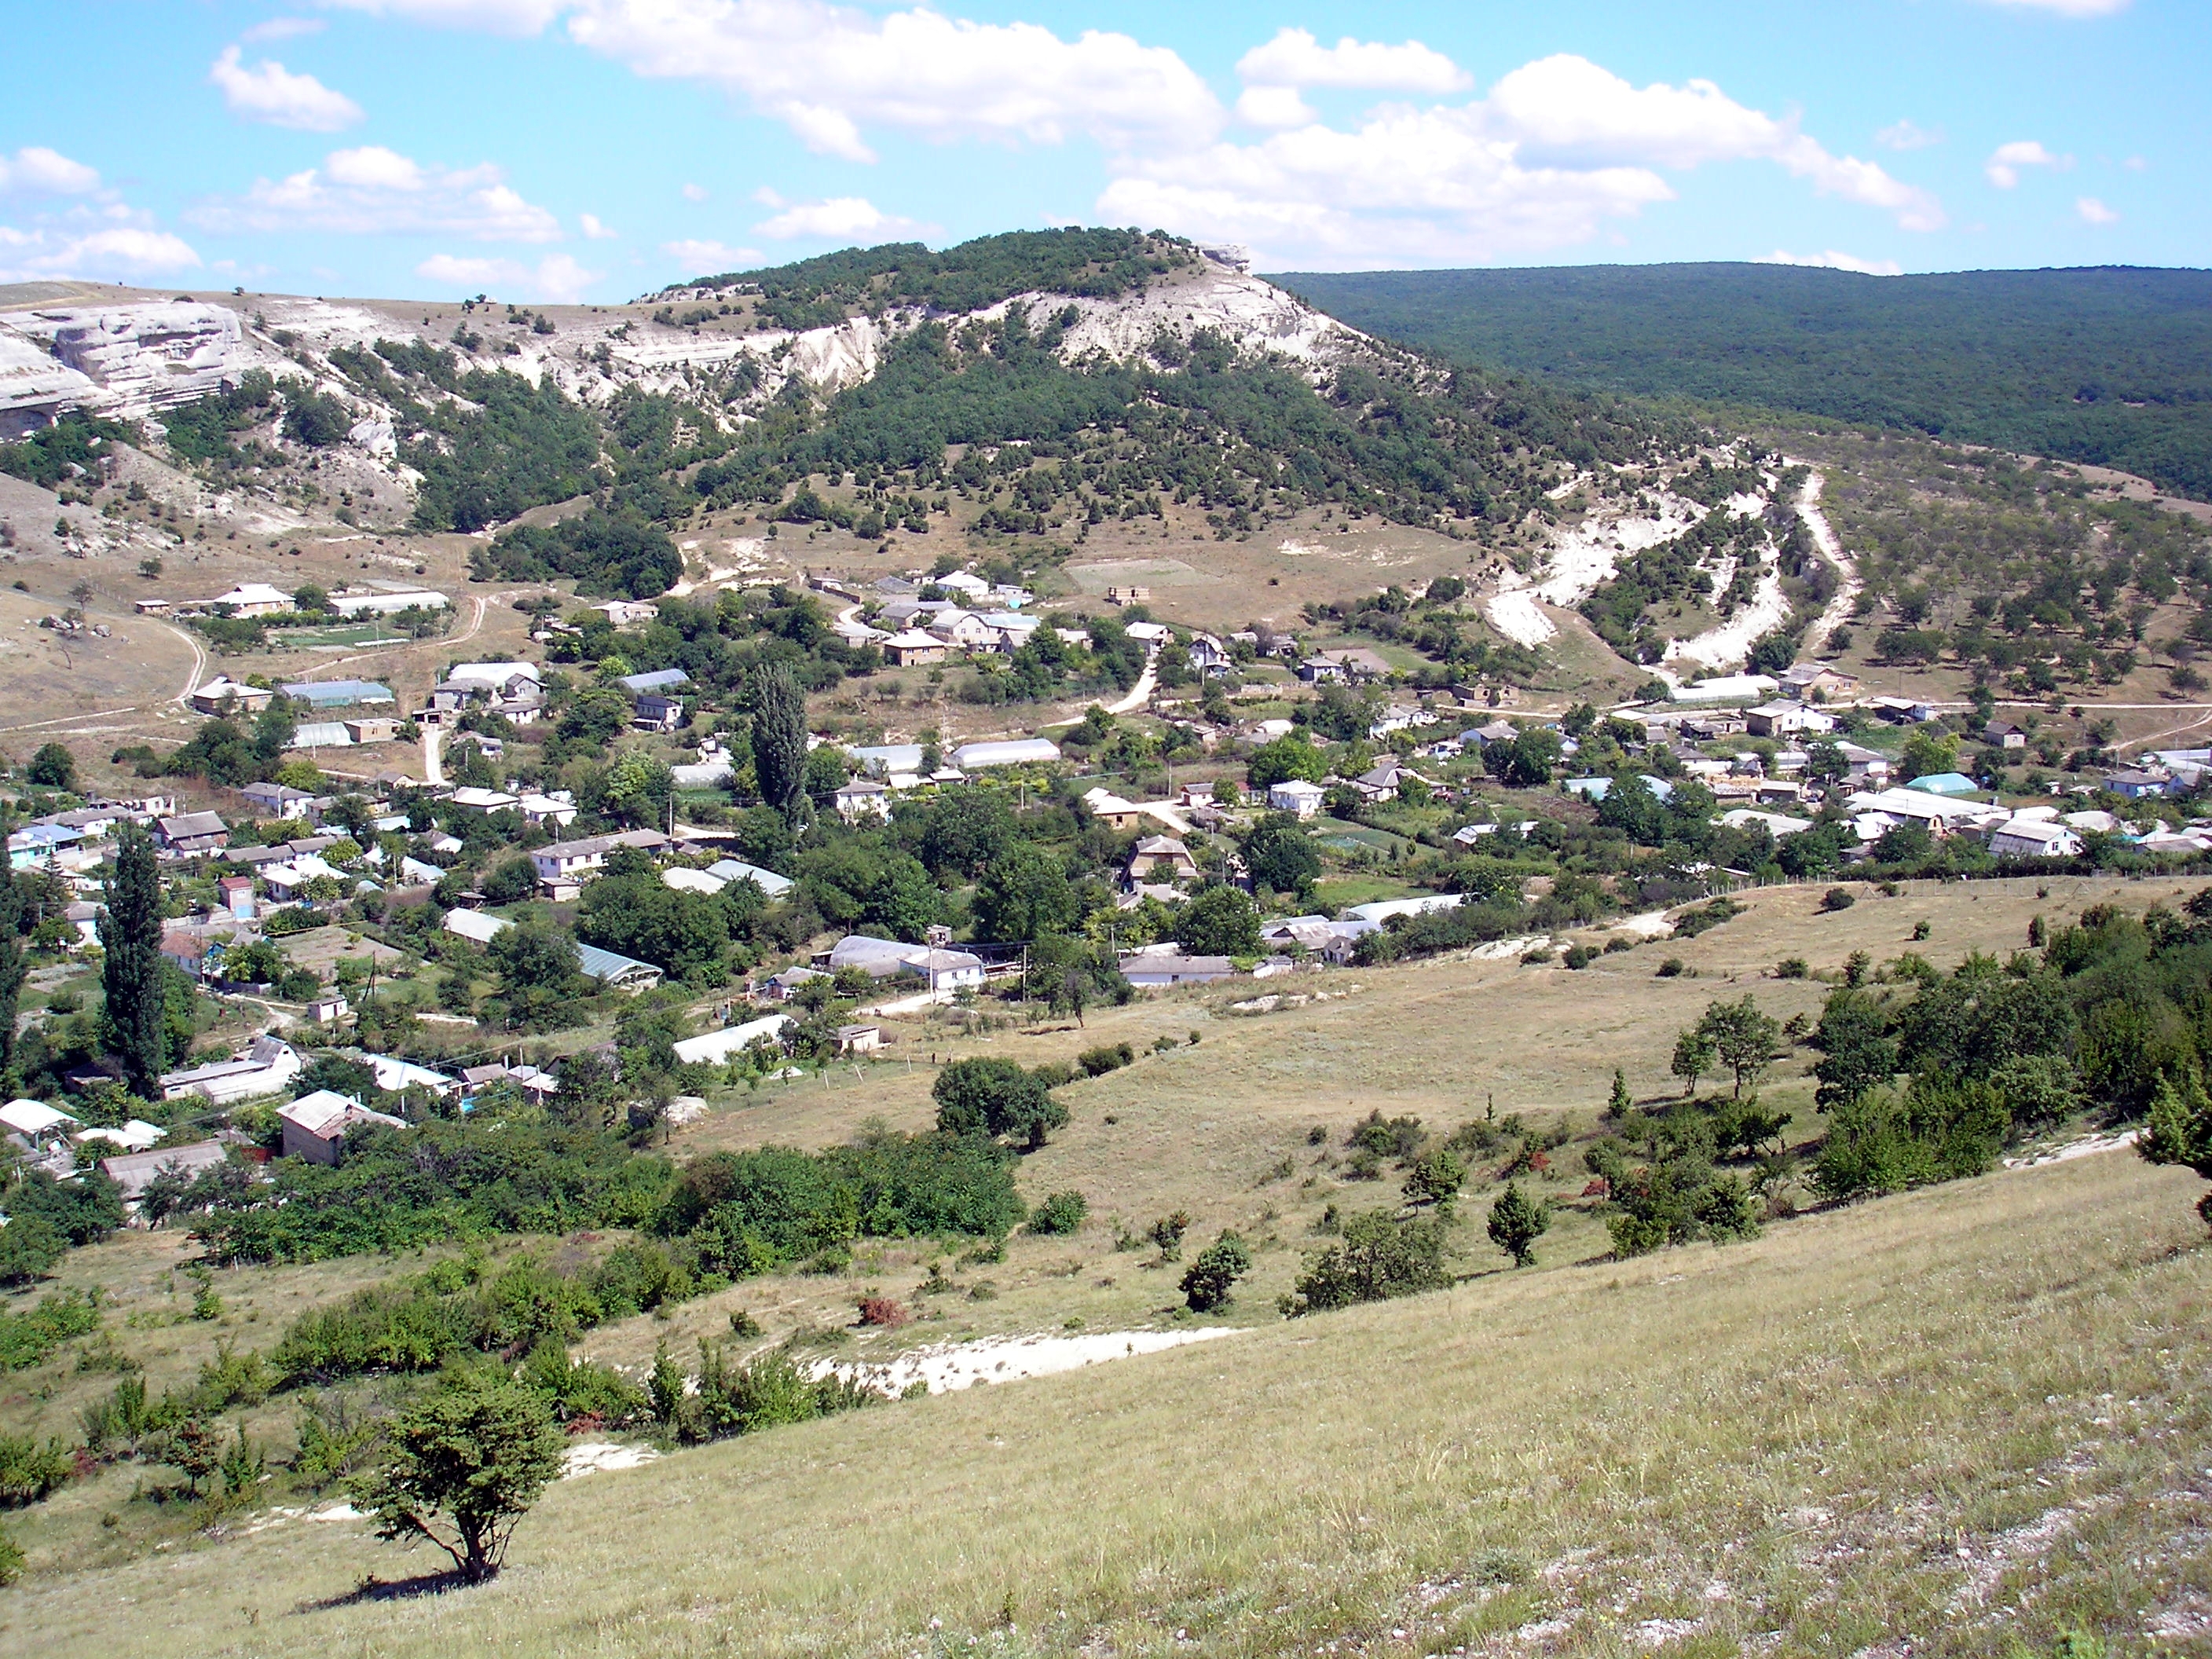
(954, 1366)
(597, 1456)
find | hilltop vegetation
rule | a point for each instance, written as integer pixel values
(2110, 365)
(1098, 263)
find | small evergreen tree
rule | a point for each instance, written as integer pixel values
(1516, 1222)
(2179, 1130)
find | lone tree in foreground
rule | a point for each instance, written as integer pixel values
(997, 1099)
(464, 1466)
(130, 972)
(1516, 1222)
(1207, 1282)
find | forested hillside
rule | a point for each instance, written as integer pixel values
(2107, 365)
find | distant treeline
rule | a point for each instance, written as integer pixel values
(2110, 365)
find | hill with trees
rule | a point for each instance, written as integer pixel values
(2110, 366)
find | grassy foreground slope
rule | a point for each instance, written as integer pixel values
(2110, 365)
(1964, 1415)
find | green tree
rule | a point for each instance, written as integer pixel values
(2179, 1129)
(1024, 895)
(1516, 1222)
(1207, 1281)
(1743, 1037)
(53, 767)
(1221, 921)
(1380, 1256)
(1284, 758)
(130, 972)
(997, 1099)
(1928, 751)
(779, 739)
(1281, 855)
(28, 1247)
(1694, 1056)
(465, 1465)
(1525, 762)
(1435, 1180)
(1857, 1053)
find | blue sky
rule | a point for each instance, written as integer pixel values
(566, 150)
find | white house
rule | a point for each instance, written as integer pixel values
(1297, 796)
(716, 1048)
(1787, 720)
(563, 866)
(889, 959)
(862, 797)
(265, 1065)
(2035, 838)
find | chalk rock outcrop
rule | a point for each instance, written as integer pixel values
(131, 361)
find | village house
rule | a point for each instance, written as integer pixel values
(654, 713)
(514, 690)
(2003, 734)
(1297, 797)
(563, 866)
(1786, 719)
(1356, 664)
(263, 1068)
(278, 800)
(189, 834)
(316, 1125)
(621, 613)
(1150, 972)
(939, 968)
(862, 797)
(1158, 855)
(912, 648)
(133, 1172)
(220, 695)
(250, 600)
(2024, 837)
(1818, 682)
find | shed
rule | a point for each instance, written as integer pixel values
(859, 1039)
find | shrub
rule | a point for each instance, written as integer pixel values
(997, 1099)
(29, 1471)
(1167, 1232)
(28, 1248)
(1063, 1212)
(1838, 898)
(28, 1338)
(1670, 969)
(1397, 1137)
(1206, 1286)
(1096, 1062)
(1792, 967)
(883, 1312)
(11, 1558)
(1380, 1257)
(1578, 956)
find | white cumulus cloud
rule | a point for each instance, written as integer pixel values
(1908, 135)
(282, 29)
(1557, 148)
(839, 218)
(2005, 160)
(709, 259)
(114, 252)
(269, 92)
(1832, 259)
(1295, 58)
(556, 279)
(825, 70)
(373, 191)
(36, 170)
(2094, 212)
(520, 17)
(1274, 106)
(2067, 7)
(592, 228)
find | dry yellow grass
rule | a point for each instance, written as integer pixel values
(1970, 1411)
(1871, 1380)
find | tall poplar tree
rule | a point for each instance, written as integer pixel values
(779, 736)
(131, 935)
(16, 921)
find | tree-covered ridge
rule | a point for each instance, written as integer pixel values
(1246, 436)
(2110, 365)
(824, 290)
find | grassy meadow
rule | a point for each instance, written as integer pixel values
(1813, 1423)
